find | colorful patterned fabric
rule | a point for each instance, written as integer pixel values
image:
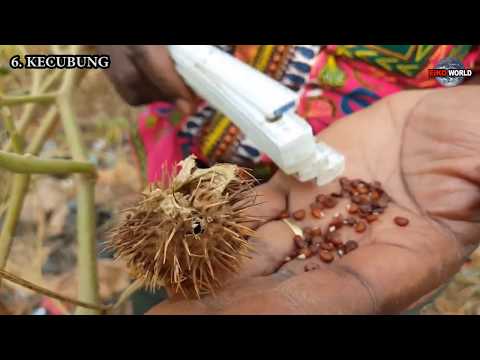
(332, 81)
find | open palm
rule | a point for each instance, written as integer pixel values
(423, 147)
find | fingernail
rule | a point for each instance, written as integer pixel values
(184, 106)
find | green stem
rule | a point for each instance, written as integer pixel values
(16, 139)
(87, 264)
(15, 204)
(19, 189)
(29, 164)
(25, 99)
(46, 126)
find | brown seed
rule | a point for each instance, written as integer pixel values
(374, 195)
(304, 254)
(337, 222)
(362, 189)
(364, 199)
(316, 205)
(334, 239)
(327, 246)
(349, 246)
(325, 256)
(336, 242)
(336, 195)
(299, 215)
(356, 199)
(320, 198)
(360, 227)
(283, 215)
(299, 241)
(350, 221)
(311, 267)
(401, 221)
(353, 209)
(330, 202)
(366, 208)
(371, 218)
(314, 248)
(307, 232)
(317, 213)
(317, 231)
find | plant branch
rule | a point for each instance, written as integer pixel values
(16, 139)
(27, 284)
(29, 164)
(25, 99)
(86, 221)
(46, 126)
(19, 188)
(15, 203)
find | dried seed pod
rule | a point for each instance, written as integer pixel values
(190, 231)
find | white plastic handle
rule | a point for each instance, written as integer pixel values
(249, 98)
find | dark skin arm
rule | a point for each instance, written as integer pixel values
(145, 73)
(423, 146)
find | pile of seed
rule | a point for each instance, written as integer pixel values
(367, 202)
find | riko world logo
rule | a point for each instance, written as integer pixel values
(450, 72)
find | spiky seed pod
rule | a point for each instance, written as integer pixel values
(189, 232)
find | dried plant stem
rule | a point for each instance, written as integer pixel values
(27, 284)
(29, 164)
(88, 278)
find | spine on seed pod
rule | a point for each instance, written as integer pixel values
(262, 108)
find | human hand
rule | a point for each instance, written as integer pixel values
(145, 73)
(423, 147)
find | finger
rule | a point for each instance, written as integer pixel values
(271, 199)
(157, 64)
(271, 244)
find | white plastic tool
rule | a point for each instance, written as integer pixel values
(262, 108)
